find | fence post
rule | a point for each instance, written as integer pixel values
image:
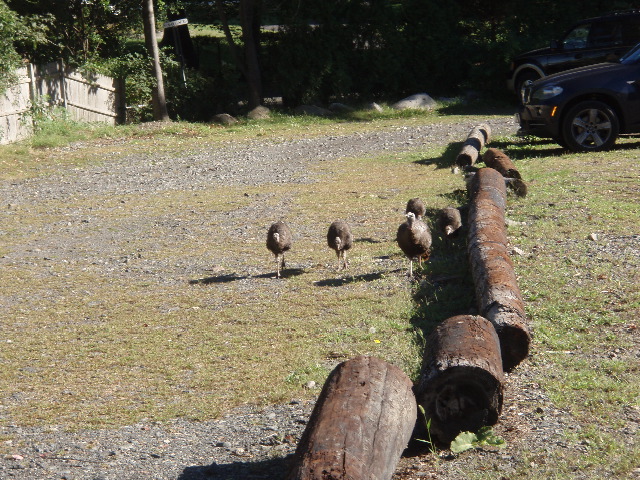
(63, 86)
(121, 101)
(33, 94)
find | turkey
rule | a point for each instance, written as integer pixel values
(340, 239)
(279, 241)
(416, 205)
(414, 239)
(449, 222)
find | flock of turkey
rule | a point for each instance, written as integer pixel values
(413, 237)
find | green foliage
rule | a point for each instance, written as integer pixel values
(15, 31)
(468, 440)
(79, 31)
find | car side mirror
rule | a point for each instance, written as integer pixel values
(555, 45)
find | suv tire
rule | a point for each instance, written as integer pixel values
(590, 126)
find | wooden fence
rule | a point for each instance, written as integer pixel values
(91, 98)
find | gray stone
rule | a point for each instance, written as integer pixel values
(259, 113)
(224, 119)
(420, 101)
(340, 108)
(312, 110)
(374, 106)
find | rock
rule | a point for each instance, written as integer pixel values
(374, 106)
(420, 101)
(224, 119)
(340, 108)
(259, 113)
(518, 251)
(312, 110)
(593, 237)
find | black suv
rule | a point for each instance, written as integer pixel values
(594, 40)
(585, 109)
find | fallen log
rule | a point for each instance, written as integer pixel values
(468, 156)
(472, 146)
(496, 287)
(461, 381)
(498, 160)
(486, 132)
(360, 425)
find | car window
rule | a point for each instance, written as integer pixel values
(632, 56)
(605, 34)
(577, 38)
(631, 31)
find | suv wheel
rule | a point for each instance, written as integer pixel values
(590, 126)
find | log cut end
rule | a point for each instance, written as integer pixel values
(513, 330)
(460, 385)
(461, 399)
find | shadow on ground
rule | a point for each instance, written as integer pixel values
(232, 277)
(267, 469)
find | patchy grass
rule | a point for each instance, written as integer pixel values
(136, 331)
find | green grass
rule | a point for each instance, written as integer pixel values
(183, 347)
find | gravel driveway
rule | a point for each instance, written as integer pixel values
(247, 443)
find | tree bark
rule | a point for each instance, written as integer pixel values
(158, 99)
(496, 286)
(360, 425)
(461, 382)
(248, 64)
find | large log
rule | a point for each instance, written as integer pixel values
(360, 425)
(496, 287)
(472, 146)
(461, 382)
(498, 160)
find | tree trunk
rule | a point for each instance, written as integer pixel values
(360, 425)
(497, 292)
(461, 381)
(251, 37)
(248, 64)
(158, 99)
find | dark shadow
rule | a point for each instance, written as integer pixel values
(263, 470)
(445, 288)
(494, 106)
(286, 273)
(338, 282)
(367, 240)
(457, 197)
(232, 277)
(447, 159)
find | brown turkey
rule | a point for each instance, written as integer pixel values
(417, 206)
(414, 239)
(279, 240)
(340, 239)
(449, 222)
